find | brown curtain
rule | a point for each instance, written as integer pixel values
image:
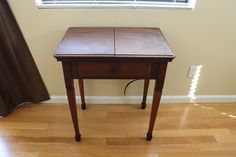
(20, 80)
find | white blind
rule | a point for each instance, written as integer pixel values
(79, 1)
(116, 3)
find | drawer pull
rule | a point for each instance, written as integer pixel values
(115, 68)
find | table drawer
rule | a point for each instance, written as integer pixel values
(110, 70)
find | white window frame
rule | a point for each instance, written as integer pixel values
(122, 4)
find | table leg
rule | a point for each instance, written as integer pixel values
(71, 98)
(155, 106)
(81, 88)
(145, 91)
(159, 83)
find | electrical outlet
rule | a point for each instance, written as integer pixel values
(192, 71)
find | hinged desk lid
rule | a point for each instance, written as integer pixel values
(141, 42)
(114, 42)
(87, 41)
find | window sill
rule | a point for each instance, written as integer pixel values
(114, 6)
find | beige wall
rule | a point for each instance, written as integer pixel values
(206, 36)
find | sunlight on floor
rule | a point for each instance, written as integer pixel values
(184, 118)
(3, 148)
(215, 110)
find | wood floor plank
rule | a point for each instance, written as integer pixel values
(226, 138)
(137, 131)
(19, 154)
(200, 154)
(232, 131)
(213, 147)
(161, 140)
(23, 125)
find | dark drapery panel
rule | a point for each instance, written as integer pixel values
(20, 80)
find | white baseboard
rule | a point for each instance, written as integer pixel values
(138, 99)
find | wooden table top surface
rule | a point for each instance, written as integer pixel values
(114, 42)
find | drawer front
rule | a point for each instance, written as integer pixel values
(113, 70)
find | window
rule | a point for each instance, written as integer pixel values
(116, 3)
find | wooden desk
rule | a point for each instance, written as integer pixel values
(114, 53)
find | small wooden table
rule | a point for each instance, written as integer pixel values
(114, 53)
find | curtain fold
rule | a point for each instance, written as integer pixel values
(20, 80)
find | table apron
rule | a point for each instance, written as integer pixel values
(114, 70)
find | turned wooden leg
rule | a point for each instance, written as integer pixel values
(81, 88)
(71, 98)
(145, 91)
(156, 98)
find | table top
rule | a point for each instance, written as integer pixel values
(114, 42)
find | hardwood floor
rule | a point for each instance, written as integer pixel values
(181, 130)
